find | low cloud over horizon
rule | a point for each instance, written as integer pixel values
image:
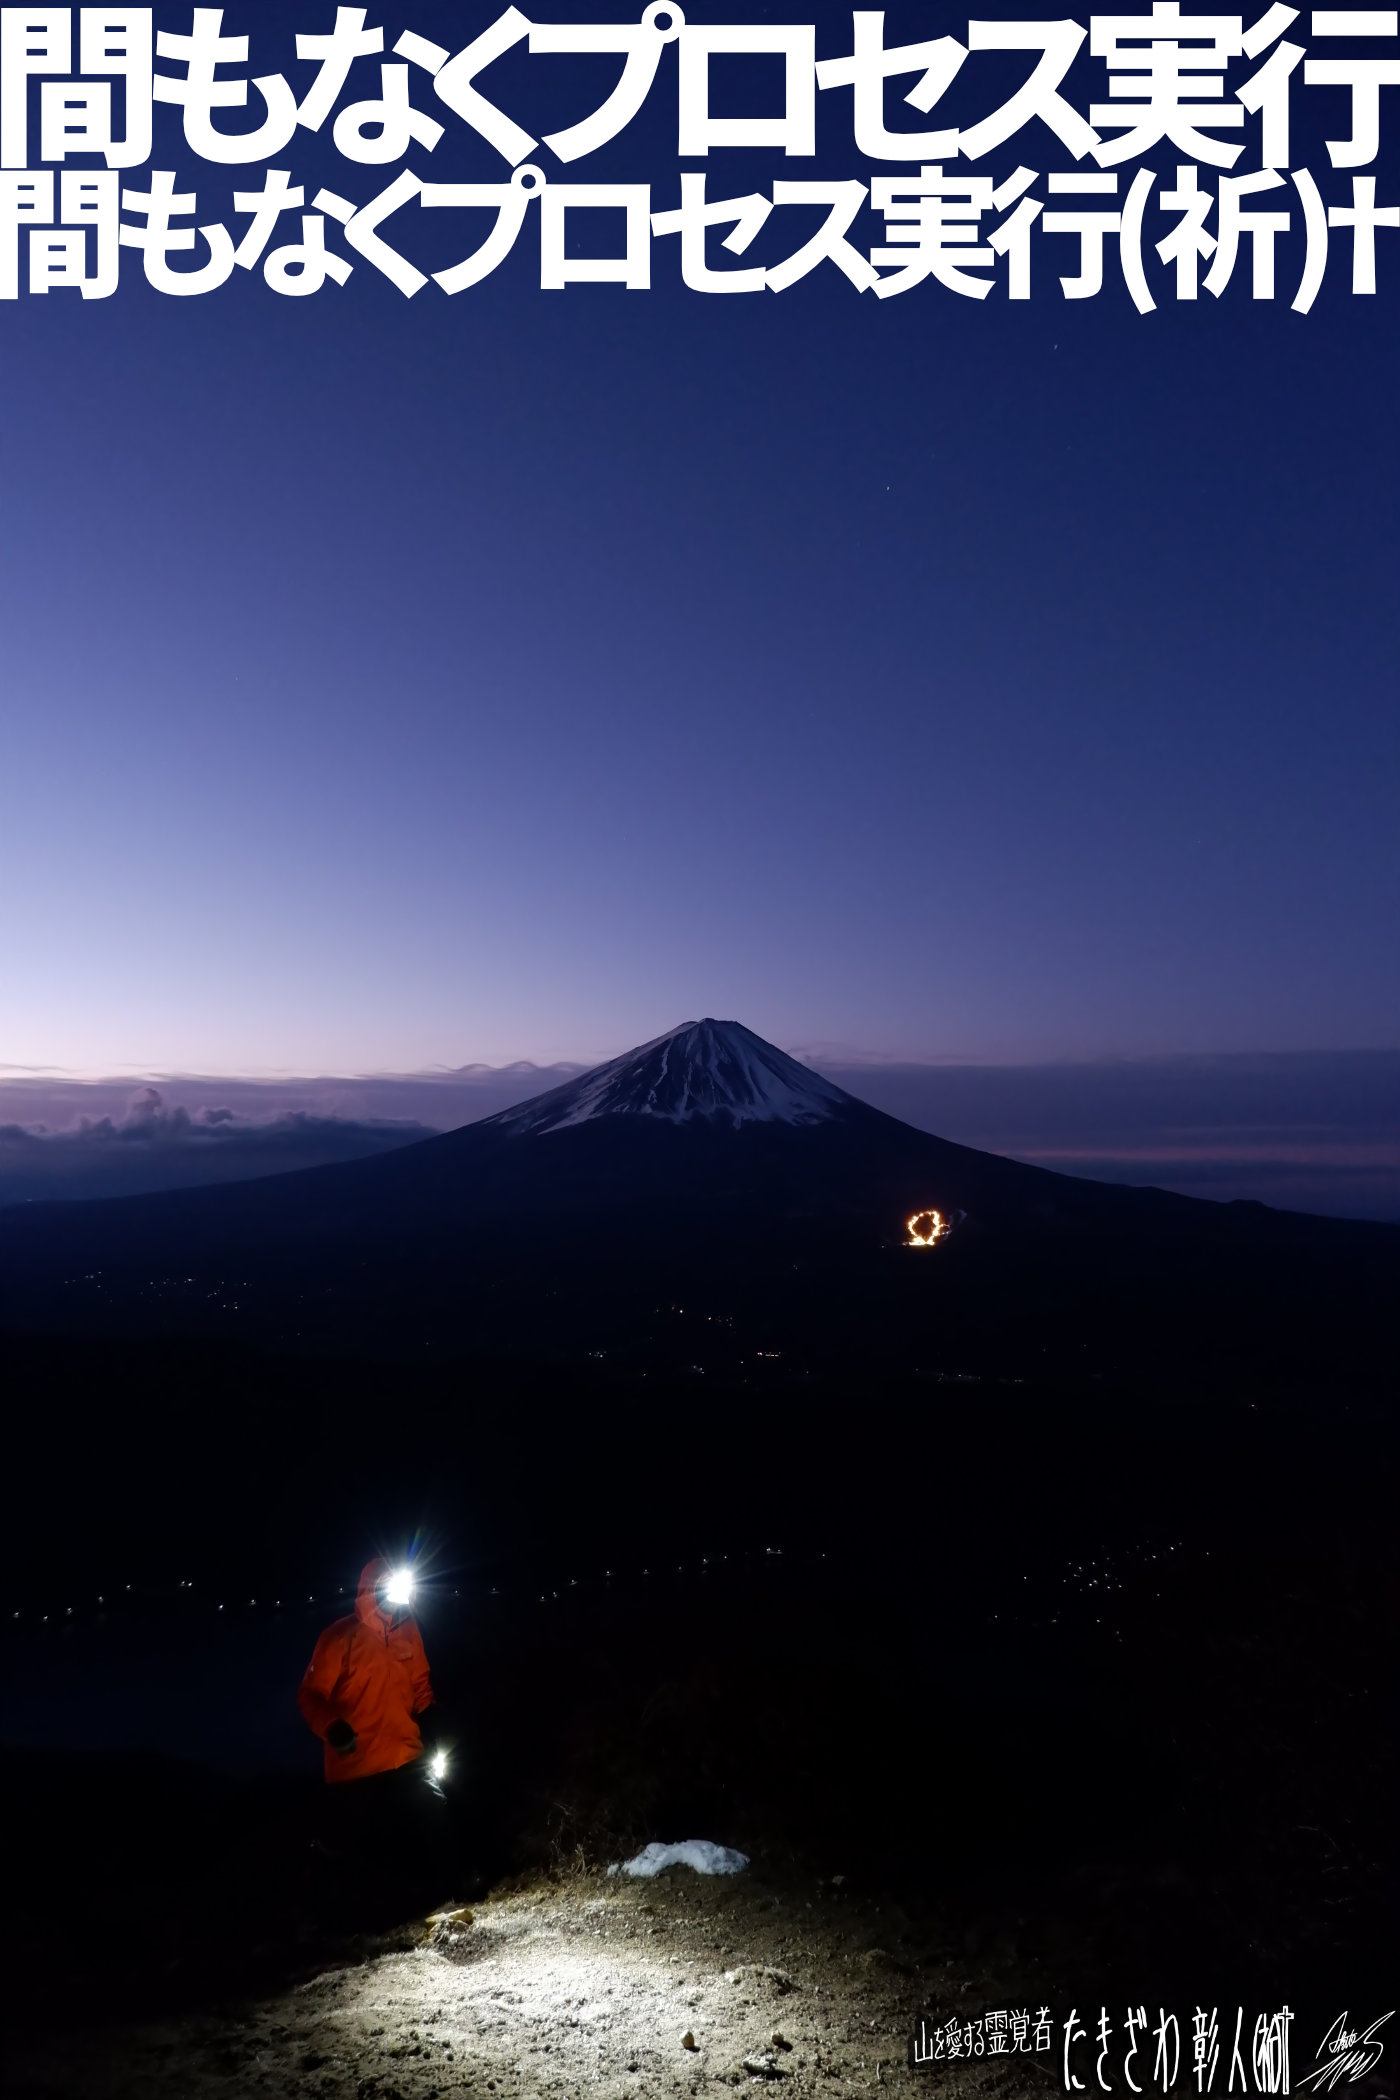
(1316, 1131)
(78, 1141)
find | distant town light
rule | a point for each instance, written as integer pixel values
(926, 1228)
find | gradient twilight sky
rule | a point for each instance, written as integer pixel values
(388, 683)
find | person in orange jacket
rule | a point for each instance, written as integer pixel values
(367, 1684)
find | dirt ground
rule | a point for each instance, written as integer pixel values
(587, 1986)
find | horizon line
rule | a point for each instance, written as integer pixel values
(819, 1057)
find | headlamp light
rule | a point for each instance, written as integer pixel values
(398, 1589)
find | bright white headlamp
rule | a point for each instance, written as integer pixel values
(398, 1589)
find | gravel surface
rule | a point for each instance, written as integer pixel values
(588, 1986)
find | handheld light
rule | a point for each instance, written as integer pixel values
(437, 1764)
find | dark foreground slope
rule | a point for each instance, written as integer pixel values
(716, 1238)
(1080, 1702)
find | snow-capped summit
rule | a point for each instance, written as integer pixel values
(712, 1070)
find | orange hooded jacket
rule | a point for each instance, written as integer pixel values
(371, 1672)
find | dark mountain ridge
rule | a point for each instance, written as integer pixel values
(709, 1169)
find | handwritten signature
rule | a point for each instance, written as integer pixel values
(1346, 2056)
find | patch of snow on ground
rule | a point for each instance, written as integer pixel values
(699, 1853)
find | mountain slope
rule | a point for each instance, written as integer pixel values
(708, 1170)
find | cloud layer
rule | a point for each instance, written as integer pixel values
(150, 1143)
(1316, 1131)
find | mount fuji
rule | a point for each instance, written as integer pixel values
(707, 1176)
(716, 1070)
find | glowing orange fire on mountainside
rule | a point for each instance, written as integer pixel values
(926, 1228)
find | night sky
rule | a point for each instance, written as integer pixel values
(394, 682)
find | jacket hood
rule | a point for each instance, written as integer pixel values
(366, 1603)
